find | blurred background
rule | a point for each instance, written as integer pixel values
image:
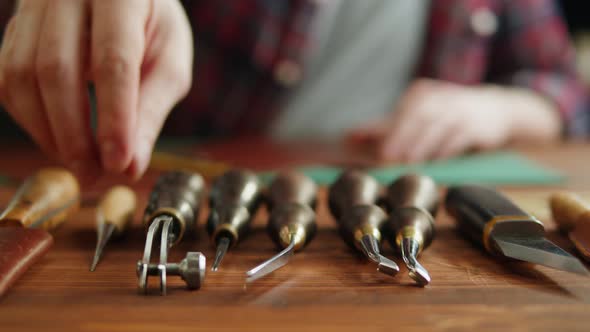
(574, 12)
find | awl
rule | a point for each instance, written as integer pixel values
(572, 215)
(113, 214)
(503, 229)
(42, 202)
(233, 201)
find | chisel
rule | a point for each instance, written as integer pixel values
(41, 203)
(291, 224)
(352, 199)
(412, 202)
(113, 215)
(487, 217)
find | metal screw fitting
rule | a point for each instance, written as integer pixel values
(191, 269)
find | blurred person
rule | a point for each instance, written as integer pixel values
(416, 80)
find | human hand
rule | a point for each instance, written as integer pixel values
(436, 119)
(137, 53)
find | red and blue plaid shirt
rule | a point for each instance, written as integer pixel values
(249, 54)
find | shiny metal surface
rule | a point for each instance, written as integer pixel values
(370, 247)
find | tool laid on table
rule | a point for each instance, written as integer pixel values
(490, 219)
(572, 215)
(41, 203)
(412, 202)
(172, 211)
(291, 201)
(352, 200)
(113, 214)
(233, 201)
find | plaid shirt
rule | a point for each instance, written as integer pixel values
(249, 55)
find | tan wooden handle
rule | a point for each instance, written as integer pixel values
(117, 207)
(44, 200)
(568, 209)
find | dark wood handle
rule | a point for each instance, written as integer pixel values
(352, 188)
(292, 187)
(44, 200)
(413, 190)
(117, 207)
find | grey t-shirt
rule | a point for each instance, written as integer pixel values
(361, 59)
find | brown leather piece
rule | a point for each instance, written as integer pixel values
(19, 249)
(580, 236)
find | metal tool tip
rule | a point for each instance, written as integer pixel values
(387, 266)
(222, 247)
(419, 274)
(94, 264)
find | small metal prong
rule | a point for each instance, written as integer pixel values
(274, 263)
(104, 233)
(409, 250)
(370, 247)
(164, 247)
(143, 265)
(222, 247)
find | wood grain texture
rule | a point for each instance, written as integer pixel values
(326, 287)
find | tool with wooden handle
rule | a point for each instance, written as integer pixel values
(352, 200)
(412, 202)
(572, 215)
(503, 229)
(113, 214)
(42, 202)
(172, 211)
(291, 201)
(233, 201)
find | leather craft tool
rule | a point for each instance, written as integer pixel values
(41, 203)
(233, 201)
(352, 200)
(503, 229)
(412, 202)
(113, 214)
(291, 201)
(572, 215)
(172, 211)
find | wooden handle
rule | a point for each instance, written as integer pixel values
(44, 200)
(567, 209)
(117, 207)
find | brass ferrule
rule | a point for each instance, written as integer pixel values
(410, 232)
(170, 212)
(226, 228)
(292, 232)
(366, 229)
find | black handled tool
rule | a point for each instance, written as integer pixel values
(412, 201)
(291, 200)
(503, 229)
(352, 201)
(172, 211)
(234, 199)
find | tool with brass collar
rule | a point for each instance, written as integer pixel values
(234, 199)
(412, 202)
(490, 219)
(42, 202)
(172, 211)
(572, 215)
(113, 214)
(352, 200)
(291, 201)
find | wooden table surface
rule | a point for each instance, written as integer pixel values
(324, 288)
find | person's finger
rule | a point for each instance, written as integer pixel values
(60, 62)
(118, 45)
(456, 144)
(170, 58)
(21, 91)
(6, 40)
